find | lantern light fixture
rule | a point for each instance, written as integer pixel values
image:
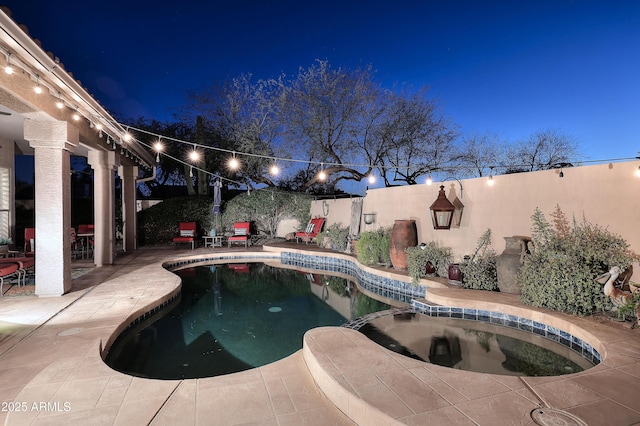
(442, 211)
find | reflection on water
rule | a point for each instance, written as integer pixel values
(473, 346)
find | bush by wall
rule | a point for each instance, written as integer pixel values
(337, 235)
(479, 272)
(417, 258)
(373, 247)
(266, 208)
(560, 272)
(159, 224)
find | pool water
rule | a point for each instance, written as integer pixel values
(235, 317)
(473, 346)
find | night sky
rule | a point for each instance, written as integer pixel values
(508, 67)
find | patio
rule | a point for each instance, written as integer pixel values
(50, 356)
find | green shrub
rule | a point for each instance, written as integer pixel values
(479, 272)
(560, 272)
(337, 234)
(159, 223)
(266, 208)
(373, 247)
(417, 258)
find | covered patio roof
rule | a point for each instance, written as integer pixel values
(34, 67)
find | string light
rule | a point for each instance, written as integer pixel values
(274, 170)
(76, 116)
(194, 155)
(158, 147)
(8, 69)
(490, 182)
(371, 178)
(322, 175)
(37, 89)
(429, 180)
(233, 162)
(59, 102)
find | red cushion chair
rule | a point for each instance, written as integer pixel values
(7, 270)
(241, 234)
(187, 234)
(30, 242)
(312, 230)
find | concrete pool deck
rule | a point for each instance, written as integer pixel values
(52, 373)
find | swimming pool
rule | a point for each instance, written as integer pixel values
(233, 317)
(472, 345)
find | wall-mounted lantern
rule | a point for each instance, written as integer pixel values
(442, 211)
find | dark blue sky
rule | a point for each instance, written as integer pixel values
(510, 67)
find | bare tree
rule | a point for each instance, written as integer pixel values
(324, 115)
(417, 138)
(480, 152)
(544, 149)
(244, 113)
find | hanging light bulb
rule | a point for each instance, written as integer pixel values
(127, 136)
(371, 178)
(59, 103)
(429, 179)
(8, 69)
(194, 155)
(561, 174)
(638, 171)
(274, 170)
(233, 162)
(490, 182)
(322, 175)
(76, 116)
(37, 89)
(158, 147)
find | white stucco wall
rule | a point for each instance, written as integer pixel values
(606, 194)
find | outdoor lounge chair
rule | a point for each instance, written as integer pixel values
(188, 233)
(25, 264)
(30, 242)
(312, 230)
(241, 234)
(7, 270)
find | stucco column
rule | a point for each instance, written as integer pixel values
(52, 141)
(128, 174)
(104, 165)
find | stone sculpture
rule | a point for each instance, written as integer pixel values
(618, 297)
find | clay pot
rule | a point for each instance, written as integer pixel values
(455, 274)
(404, 234)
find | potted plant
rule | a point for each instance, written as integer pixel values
(4, 243)
(335, 237)
(432, 253)
(373, 247)
(479, 271)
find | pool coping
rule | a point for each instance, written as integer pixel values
(70, 368)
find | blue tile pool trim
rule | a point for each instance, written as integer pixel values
(512, 321)
(407, 293)
(386, 287)
(179, 264)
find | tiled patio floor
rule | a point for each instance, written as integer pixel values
(52, 373)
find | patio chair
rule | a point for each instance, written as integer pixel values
(188, 233)
(25, 264)
(241, 234)
(29, 242)
(7, 270)
(312, 230)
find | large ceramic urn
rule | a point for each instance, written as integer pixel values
(509, 263)
(404, 234)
